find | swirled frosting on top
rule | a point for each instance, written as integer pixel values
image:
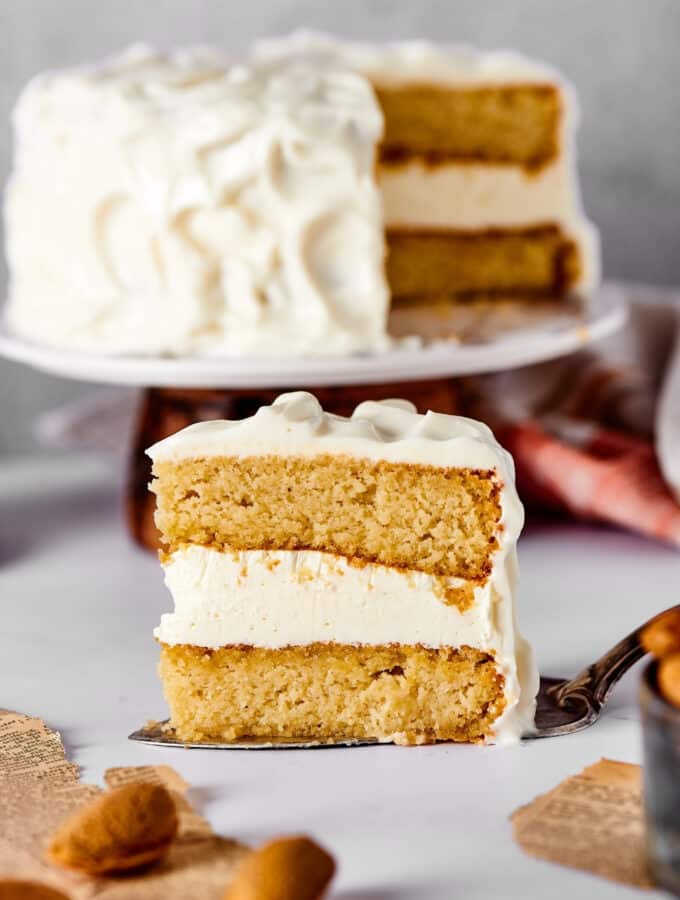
(179, 204)
(392, 430)
(403, 62)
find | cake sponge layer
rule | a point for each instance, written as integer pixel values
(403, 693)
(436, 520)
(433, 264)
(515, 124)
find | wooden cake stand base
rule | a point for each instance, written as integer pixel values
(163, 411)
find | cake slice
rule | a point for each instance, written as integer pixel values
(477, 169)
(339, 578)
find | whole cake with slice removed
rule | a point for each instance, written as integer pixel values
(341, 578)
(186, 204)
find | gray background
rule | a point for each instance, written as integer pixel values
(622, 56)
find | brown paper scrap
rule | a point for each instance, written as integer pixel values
(39, 787)
(592, 821)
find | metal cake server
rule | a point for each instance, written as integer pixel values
(563, 705)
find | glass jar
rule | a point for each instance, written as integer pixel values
(661, 781)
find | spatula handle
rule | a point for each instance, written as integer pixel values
(592, 686)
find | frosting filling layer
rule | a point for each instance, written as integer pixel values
(274, 598)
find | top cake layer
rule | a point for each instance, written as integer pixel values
(433, 493)
(182, 204)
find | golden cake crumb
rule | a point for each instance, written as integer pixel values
(509, 124)
(432, 519)
(408, 693)
(423, 264)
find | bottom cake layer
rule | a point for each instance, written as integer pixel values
(408, 694)
(423, 265)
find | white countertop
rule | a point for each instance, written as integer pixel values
(79, 601)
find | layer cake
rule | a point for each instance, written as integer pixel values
(341, 577)
(187, 204)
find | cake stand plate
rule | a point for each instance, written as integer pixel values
(466, 340)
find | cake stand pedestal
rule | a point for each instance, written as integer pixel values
(163, 411)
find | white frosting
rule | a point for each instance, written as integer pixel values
(468, 196)
(176, 204)
(389, 430)
(275, 598)
(403, 62)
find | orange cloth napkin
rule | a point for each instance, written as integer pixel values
(597, 434)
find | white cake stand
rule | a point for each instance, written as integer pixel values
(459, 342)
